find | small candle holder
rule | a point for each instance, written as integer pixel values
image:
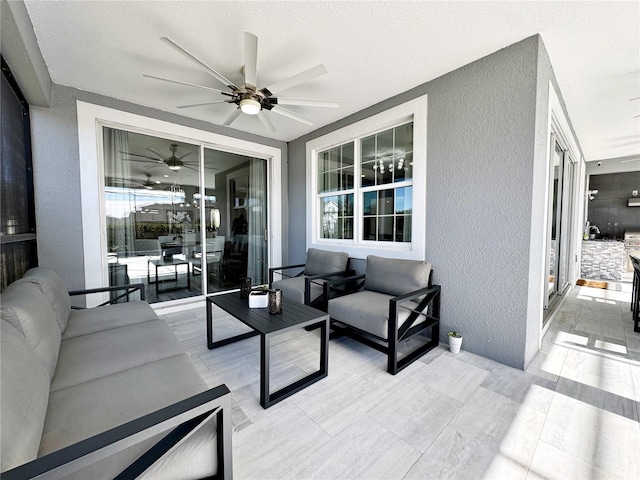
(245, 287)
(275, 301)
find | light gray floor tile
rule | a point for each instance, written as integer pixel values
(453, 377)
(452, 456)
(364, 450)
(268, 449)
(549, 362)
(551, 463)
(501, 425)
(522, 387)
(416, 413)
(593, 435)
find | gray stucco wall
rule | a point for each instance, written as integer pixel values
(480, 144)
(57, 175)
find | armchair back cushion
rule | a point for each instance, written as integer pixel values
(26, 309)
(54, 290)
(396, 277)
(322, 262)
(23, 399)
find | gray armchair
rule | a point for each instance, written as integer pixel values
(392, 302)
(306, 286)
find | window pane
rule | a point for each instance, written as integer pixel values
(403, 228)
(368, 146)
(337, 216)
(346, 180)
(403, 139)
(370, 203)
(334, 159)
(385, 229)
(368, 177)
(369, 228)
(347, 155)
(385, 203)
(323, 158)
(384, 173)
(404, 200)
(384, 143)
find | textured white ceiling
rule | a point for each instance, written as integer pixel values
(373, 50)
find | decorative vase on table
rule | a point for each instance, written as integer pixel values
(275, 301)
(245, 287)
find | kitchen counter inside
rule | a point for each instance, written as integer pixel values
(603, 260)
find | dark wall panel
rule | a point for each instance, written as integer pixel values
(608, 210)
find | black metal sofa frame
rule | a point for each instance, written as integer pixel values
(180, 420)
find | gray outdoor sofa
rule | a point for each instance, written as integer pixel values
(106, 392)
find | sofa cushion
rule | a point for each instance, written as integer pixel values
(54, 290)
(86, 409)
(25, 307)
(92, 320)
(322, 262)
(396, 277)
(293, 289)
(23, 399)
(104, 353)
(368, 311)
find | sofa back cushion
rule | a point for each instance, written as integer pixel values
(23, 399)
(322, 262)
(26, 309)
(54, 290)
(396, 277)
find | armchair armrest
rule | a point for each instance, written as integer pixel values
(129, 289)
(431, 296)
(313, 279)
(180, 419)
(286, 267)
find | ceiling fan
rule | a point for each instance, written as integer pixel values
(172, 161)
(132, 182)
(248, 98)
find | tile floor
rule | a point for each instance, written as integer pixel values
(572, 415)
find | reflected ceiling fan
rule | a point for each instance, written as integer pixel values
(172, 161)
(133, 183)
(248, 98)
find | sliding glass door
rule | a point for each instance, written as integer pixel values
(561, 197)
(183, 218)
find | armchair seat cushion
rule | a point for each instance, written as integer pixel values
(92, 320)
(293, 288)
(368, 311)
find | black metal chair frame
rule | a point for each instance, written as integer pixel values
(180, 420)
(319, 302)
(428, 307)
(635, 294)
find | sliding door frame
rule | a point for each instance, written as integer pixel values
(91, 119)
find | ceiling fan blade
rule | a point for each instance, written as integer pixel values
(634, 98)
(202, 104)
(295, 80)
(265, 121)
(305, 102)
(138, 155)
(292, 115)
(232, 117)
(250, 59)
(193, 58)
(151, 160)
(151, 149)
(182, 156)
(184, 83)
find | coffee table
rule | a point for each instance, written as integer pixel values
(167, 263)
(294, 315)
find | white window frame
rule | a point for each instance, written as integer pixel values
(91, 119)
(412, 111)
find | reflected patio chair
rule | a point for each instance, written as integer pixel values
(214, 253)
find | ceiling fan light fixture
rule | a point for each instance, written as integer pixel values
(174, 167)
(250, 106)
